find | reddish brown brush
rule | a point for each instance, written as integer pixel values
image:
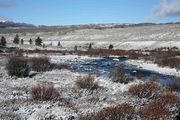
(40, 64)
(44, 92)
(86, 82)
(154, 110)
(144, 90)
(120, 112)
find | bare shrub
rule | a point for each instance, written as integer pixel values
(40, 64)
(168, 98)
(86, 82)
(118, 75)
(59, 66)
(44, 92)
(17, 66)
(171, 62)
(120, 112)
(147, 89)
(154, 110)
(159, 107)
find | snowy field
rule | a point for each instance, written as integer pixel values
(15, 95)
(16, 101)
(149, 65)
(73, 102)
(140, 37)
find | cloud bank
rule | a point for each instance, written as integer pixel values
(167, 8)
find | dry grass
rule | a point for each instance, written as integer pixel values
(44, 92)
(158, 108)
(59, 66)
(147, 89)
(118, 75)
(120, 112)
(171, 62)
(40, 64)
(168, 98)
(154, 110)
(86, 82)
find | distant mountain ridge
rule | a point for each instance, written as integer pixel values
(8, 24)
(11, 24)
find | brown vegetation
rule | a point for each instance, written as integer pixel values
(40, 64)
(118, 75)
(17, 66)
(154, 110)
(147, 89)
(86, 82)
(44, 92)
(120, 112)
(171, 62)
(158, 108)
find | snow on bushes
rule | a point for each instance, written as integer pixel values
(168, 98)
(160, 106)
(154, 110)
(147, 89)
(118, 75)
(119, 112)
(86, 82)
(44, 92)
(17, 66)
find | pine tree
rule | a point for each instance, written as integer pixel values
(50, 44)
(16, 39)
(90, 46)
(44, 45)
(22, 41)
(75, 48)
(38, 41)
(3, 41)
(111, 47)
(59, 44)
(30, 41)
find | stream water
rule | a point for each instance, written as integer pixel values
(102, 67)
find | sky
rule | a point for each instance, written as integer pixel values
(69, 12)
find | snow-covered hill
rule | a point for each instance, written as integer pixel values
(134, 37)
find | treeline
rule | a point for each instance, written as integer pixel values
(38, 41)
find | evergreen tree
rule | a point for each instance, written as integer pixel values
(22, 41)
(30, 41)
(16, 39)
(90, 46)
(75, 48)
(38, 41)
(59, 44)
(111, 47)
(44, 45)
(3, 41)
(50, 44)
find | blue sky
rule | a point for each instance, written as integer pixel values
(65, 12)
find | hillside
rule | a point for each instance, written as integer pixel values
(128, 37)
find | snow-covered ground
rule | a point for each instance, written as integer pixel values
(73, 102)
(149, 65)
(15, 96)
(141, 37)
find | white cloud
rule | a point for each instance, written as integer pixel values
(167, 8)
